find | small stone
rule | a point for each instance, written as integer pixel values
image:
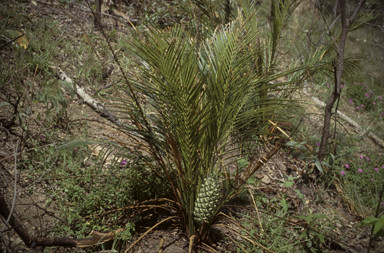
(18, 241)
(266, 180)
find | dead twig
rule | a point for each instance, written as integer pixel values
(50, 213)
(141, 237)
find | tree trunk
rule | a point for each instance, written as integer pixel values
(98, 15)
(227, 11)
(338, 68)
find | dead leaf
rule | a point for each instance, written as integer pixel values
(87, 39)
(5, 156)
(259, 176)
(98, 238)
(22, 41)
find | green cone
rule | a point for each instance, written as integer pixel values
(208, 200)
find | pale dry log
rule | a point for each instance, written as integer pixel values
(356, 126)
(97, 106)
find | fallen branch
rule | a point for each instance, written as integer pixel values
(118, 16)
(356, 126)
(97, 106)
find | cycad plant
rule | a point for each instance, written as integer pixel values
(186, 106)
(193, 100)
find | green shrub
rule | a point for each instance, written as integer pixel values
(361, 180)
(95, 197)
(361, 96)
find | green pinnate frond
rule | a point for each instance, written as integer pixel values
(360, 20)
